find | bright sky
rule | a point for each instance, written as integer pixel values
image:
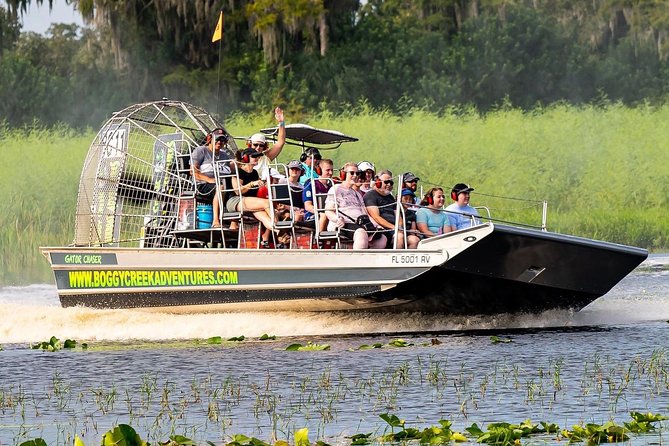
(38, 18)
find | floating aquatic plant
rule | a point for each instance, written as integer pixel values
(498, 340)
(237, 338)
(35, 442)
(266, 337)
(595, 434)
(54, 344)
(440, 434)
(243, 440)
(310, 346)
(643, 422)
(214, 340)
(122, 435)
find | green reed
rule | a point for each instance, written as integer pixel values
(601, 169)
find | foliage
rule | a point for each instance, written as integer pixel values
(498, 340)
(122, 435)
(310, 346)
(594, 434)
(596, 166)
(54, 344)
(390, 54)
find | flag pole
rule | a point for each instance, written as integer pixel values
(218, 37)
(218, 94)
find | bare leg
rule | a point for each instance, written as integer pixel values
(260, 209)
(323, 222)
(379, 243)
(216, 209)
(413, 241)
(360, 239)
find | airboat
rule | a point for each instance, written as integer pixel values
(139, 242)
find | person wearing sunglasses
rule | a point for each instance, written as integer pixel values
(411, 182)
(381, 207)
(367, 177)
(247, 191)
(344, 206)
(258, 142)
(203, 161)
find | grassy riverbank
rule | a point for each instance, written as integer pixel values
(602, 170)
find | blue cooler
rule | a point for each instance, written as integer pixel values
(205, 215)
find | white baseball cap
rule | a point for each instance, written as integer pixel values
(366, 165)
(258, 138)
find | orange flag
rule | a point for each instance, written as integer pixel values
(218, 32)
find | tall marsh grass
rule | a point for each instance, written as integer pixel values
(603, 170)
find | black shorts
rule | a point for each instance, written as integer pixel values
(205, 191)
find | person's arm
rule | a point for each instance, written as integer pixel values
(199, 176)
(330, 209)
(245, 187)
(195, 170)
(375, 215)
(449, 224)
(421, 223)
(281, 139)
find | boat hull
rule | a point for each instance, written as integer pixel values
(487, 269)
(516, 270)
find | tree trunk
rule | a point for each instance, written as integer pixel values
(323, 29)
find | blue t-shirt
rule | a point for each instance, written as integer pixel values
(463, 221)
(435, 221)
(307, 195)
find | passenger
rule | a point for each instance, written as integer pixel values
(348, 205)
(247, 190)
(431, 219)
(295, 171)
(203, 160)
(309, 159)
(258, 141)
(381, 207)
(281, 210)
(358, 183)
(369, 176)
(462, 214)
(411, 182)
(321, 186)
(408, 202)
(275, 178)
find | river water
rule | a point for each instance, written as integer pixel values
(155, 371)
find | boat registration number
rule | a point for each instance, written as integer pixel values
(415, 259)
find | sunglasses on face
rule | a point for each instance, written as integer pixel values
(387, 182)
(353, 173)
(259, 144)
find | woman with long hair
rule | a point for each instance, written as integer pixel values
(431, 219)
(247, 191)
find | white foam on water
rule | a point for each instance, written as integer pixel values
(33, 313)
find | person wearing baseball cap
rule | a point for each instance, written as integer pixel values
(461, 213)
(295, 171)
(410, 181)
(258, 141)
(369, 173)
(204, 161)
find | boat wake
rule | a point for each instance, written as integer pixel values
(33, 313)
